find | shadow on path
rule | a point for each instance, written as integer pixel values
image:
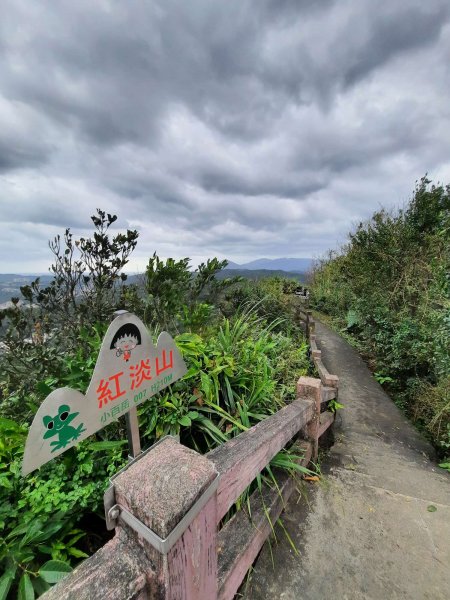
(365, 531)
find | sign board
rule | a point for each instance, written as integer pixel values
(129, 371)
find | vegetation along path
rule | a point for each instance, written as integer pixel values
(378, 525)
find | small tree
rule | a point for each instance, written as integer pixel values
(87, 273)
(85, 291)
(180, 298)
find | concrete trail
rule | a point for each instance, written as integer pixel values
(365, 532)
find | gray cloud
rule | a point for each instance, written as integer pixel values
(409, 28)
(237, 128)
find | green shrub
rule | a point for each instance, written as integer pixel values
(389, 289)
(39, 514)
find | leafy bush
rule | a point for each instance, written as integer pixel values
(270, 298)
(389, 289)
(38, 514)
(178, 299)
(235, 379)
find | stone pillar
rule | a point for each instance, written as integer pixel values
(158, 489)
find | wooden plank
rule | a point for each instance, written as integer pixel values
(242, 538)
(306, 448)
(242, 458)
(303, 315)
(119, 570)
(326, 378)
(325, 421)
(316, 353)
(328, 393)
(310, 387)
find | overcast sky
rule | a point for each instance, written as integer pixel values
(237, 129)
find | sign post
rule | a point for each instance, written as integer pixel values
(130, 369)
(134, 440)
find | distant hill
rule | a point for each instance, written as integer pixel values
(22, 279)
(293, 265)
(255, 274)
(233, 265)
(10, 284)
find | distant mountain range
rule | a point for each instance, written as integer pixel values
(296, 268)
(293, 265)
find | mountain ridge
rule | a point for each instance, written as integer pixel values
(293, 265)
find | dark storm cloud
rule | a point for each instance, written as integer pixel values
(236, 128)
(25, 137)
(15, 156)
(219, 181)
(111, 72)
(409, 28)
(45, 211)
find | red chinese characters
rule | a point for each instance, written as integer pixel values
(109, 390)
(165, 365)
(114, 387)
(140, 373)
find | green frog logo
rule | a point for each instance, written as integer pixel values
(59, 425)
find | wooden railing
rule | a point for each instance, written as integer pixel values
(209, 560)
(306, 318)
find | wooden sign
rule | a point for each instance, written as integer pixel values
(129, 371)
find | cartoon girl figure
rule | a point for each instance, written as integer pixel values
(126, 339)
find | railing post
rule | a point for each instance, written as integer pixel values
(310, 324)
(155, 492)
(159, 490)
(311, 388)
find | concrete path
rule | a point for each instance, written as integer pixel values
(366, 531)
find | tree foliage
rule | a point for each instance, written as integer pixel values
(389, 288)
